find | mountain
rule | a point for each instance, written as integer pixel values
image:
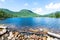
(53, 15)
(26, 13)
(5, 13)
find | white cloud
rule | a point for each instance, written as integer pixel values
(38, 10)
(53, 6)
(2, 0)
(26, 4)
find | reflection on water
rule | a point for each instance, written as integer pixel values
(33, 22)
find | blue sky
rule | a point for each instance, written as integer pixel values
(38, 6)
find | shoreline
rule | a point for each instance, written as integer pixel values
(26, 34)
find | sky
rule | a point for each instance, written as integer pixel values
(40, 7)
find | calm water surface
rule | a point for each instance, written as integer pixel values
(33, 22)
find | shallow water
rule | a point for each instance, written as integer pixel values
(53, 23)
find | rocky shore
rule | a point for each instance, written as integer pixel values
(31, 34)
(26, 36)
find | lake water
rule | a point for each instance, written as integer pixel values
(53, 23)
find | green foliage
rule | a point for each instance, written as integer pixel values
(27, 13)
(22, 13)
(53, 15)
(5, 13)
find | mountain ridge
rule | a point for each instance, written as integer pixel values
(53, 14)
(5, 13)
(22, 13)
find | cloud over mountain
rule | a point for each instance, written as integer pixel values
(53, 6)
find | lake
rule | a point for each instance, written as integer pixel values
(52, 23)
